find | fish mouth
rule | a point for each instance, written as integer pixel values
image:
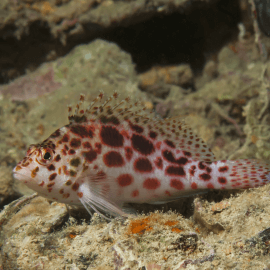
(21, 177)
(29, 181)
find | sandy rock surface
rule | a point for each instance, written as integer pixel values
(226, 103)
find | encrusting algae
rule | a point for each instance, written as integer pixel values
(142, 225)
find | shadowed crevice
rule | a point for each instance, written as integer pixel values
(185, 35)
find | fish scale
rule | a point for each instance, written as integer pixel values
(116, 152)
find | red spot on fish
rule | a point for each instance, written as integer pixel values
(128, 153)
(158, 144)
(142, 145)
(65, 138)
(56, 134)
(205, 176)
(68, 183)
(42, 184)
(25, 164)
(135, 193)
(168, 155)
(51, 184)
(57, 158)
(210, 186)
(152, 134)
(80, 194)
(111, 136)
(90, 156)
(222, 180)
(223, 169)
(125, 180)
(71, 152)
(151, 183)
(111, 119)
(98, 148)
(194, 186)
(136, 128)
(201, 165)
(113, 159)
(175, 170)
(170, 143)
(125, 134)
(186, 153)
(75, 186)
(159, 163)
(52, 145)
(65, 170)
(143, 165)
(177, 184)
(75, 143)
(87, 145)
(65, 196)
(52, 176)
(18, 168)
(61, 191)
(192, 170)
(82, 131)
(51, 167)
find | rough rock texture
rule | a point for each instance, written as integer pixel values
(40, 238)
(85, 70)
(35, 31)
(227, 104)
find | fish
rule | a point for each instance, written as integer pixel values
(114, 152)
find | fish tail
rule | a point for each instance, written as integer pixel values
(242, 173)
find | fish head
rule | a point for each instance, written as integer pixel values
(51, 169)
(39, 167)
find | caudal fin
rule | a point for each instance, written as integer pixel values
(244, 173)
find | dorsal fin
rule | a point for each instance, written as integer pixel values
(116, 111)
(175, 129)
(110, 110)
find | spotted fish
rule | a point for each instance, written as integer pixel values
(114, 152)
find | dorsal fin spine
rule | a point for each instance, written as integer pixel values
(175, 129)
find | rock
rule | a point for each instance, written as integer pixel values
(89, 69)
(157, 81)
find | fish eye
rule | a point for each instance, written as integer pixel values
(47, 156)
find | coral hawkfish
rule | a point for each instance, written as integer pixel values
(116, 152)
